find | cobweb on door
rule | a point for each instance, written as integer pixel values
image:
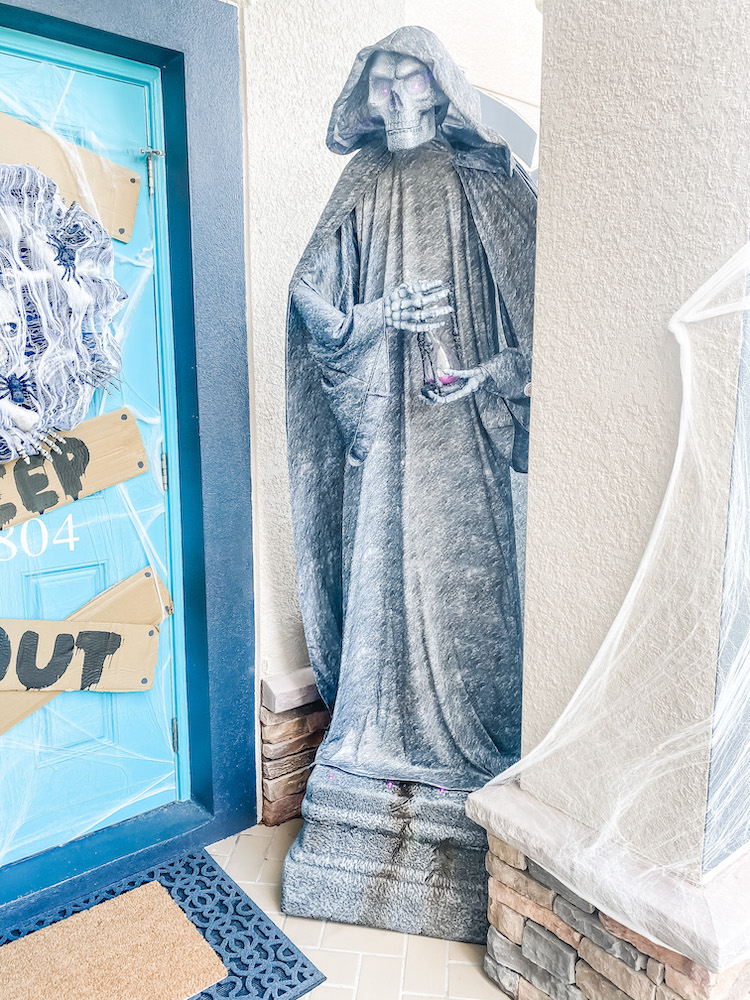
(86, 759)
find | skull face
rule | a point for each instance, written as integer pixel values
(402, 93)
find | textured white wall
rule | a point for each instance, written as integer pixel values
(644, 193)
(497, 44)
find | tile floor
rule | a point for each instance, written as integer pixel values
(360, 963)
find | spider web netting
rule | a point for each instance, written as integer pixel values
(58, 297)
(651, 755)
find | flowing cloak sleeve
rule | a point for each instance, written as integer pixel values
(337, 385)
(503, 206)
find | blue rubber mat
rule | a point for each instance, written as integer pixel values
(261, 961)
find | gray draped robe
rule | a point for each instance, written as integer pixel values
(402, 508)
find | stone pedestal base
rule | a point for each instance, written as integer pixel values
(396, 855)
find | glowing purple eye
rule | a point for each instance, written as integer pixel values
(379, 85)
(417, 83)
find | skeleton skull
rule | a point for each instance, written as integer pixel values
(403, 94)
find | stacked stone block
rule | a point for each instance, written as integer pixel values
(293, 721)
(547, 943)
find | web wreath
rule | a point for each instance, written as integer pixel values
(58, 298)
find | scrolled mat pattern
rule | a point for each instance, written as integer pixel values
(262, 962)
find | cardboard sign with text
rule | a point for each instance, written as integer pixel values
(95, 455)
(80, 656)
(141, 599)
(103, 188)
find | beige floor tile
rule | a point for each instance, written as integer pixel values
(222, 848)
(267, 897)
(459, 951)
(303, 932)
(367, 940)
(259, 831)
(246, 860)
(326, 992)
(421, 996)
(426, 962)
(340, 968)
(380, 978)
(219, 859)
(468, 982)
(270, 873)
(279, 846)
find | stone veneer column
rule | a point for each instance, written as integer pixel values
(644, 194)
(546, 941)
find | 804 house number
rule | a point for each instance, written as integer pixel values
(32, 537)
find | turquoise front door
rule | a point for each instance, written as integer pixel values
(88, 759)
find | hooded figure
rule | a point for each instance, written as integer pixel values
(408, 368)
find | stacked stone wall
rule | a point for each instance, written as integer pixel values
(293, 722)
(545, 942)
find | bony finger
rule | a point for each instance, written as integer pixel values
(419, 301)
(418, 308)
(434, 311)
(461, 372)
(464, 391)
(412, 327)
(428, 300)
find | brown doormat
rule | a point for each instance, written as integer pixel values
(137, 946)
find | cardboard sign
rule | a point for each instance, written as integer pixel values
(104, 189)
(85, 656)
(96, 454)
(141, 599)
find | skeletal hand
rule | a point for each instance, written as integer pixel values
(413, 306)
(474, 377)
(26, 434)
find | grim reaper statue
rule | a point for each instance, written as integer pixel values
(408, 372)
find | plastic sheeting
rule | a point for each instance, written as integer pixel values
(658, 726)
(87, 759)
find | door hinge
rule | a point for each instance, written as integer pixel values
(164, 477)
(150, 153)
(175, 737)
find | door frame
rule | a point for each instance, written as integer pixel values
(205, 199)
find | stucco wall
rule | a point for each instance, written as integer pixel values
(498, 45)
(296, 59)
(643, 194)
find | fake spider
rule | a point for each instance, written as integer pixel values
(66, 248)
(17, 387)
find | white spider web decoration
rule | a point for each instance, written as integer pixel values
(58, 297)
